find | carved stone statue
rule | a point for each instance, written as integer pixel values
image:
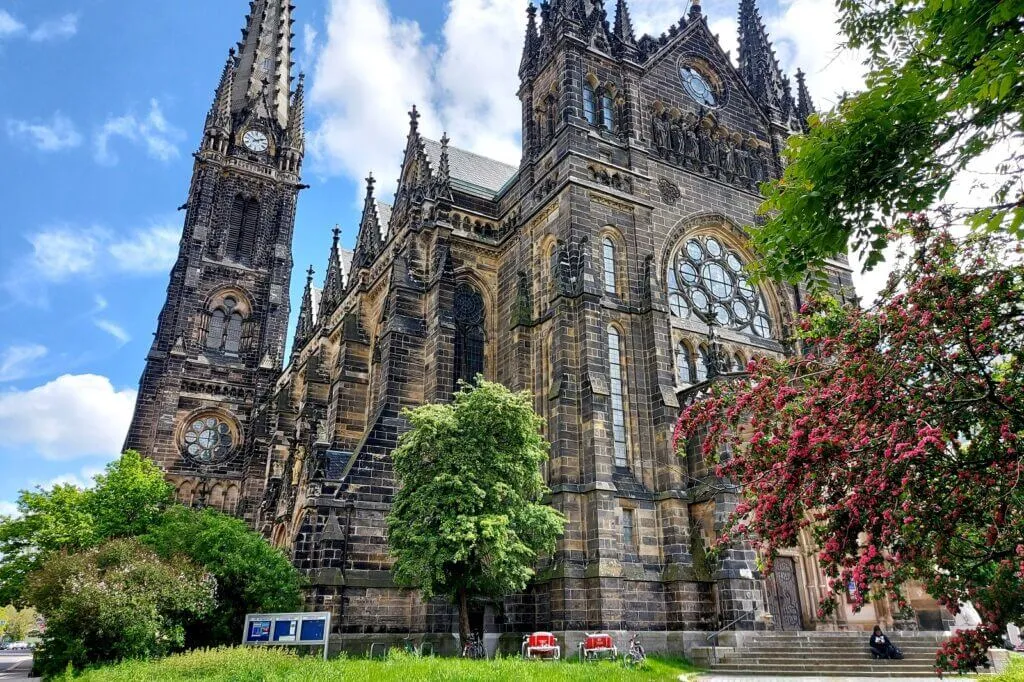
(661, 131)
(676, 137)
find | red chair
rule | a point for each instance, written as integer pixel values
(596, 645)
(541, 645)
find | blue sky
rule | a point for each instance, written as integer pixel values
(101, 105)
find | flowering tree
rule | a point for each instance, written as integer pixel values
(895, 437)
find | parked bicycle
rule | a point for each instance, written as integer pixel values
(474, 647)
(635, 656)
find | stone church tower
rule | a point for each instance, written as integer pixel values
(220, 337)
(605, 274)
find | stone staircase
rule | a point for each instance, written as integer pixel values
(823, 654)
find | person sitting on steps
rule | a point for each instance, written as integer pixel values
(881, 647)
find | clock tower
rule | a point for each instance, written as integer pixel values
(220, 337)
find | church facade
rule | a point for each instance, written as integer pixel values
(605, 274)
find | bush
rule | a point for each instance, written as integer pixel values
(113, 602)
(252, 576)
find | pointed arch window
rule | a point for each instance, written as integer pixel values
(233, 333)
(608, 259)
(549, 118)
(469, 333)
(738, 364)
(589, 103)
(701, 365)
(618, 406)
(215, 332)
(242, 228)
(607, 111)
(684, 364)
(226, 328)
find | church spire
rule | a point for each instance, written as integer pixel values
(334, 281)
(804, 103)
(758, 66)
(265, 60)
(220, 111)
(531, 45)
(623, 28)
(368, 241)
(307, 314)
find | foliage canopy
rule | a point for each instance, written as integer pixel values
(896, 438)
(467, 519)
(945, 87)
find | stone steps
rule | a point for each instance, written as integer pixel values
(827, 654)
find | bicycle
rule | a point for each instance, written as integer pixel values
(474, 647)
(635, 656)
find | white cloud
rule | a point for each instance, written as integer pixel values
(8, 508)
(114, 329)
(70, 417)
(364, 121)
(147, 251)
(309, 45)
(17, 362)
(58, 134)
(153, 132)
(62, 252)
(9, 25)
(55, 29)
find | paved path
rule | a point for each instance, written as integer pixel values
(765, 678)
(15, 665)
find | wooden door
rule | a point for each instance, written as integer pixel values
(784, 595)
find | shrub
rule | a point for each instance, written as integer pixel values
(251, 575)
(116, 601)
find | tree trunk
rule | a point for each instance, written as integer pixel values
(463, 616)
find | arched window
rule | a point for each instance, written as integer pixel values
(233, 333)
(701, 365)
(469, 333)
(684, 364)
(550, 118)
(608, 258)
(617, 396)
(226, 328)
(738, 364)
(589, 104)
(215, 333)
(242, 228)
(709, 280)
(607, 111)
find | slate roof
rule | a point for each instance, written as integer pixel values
(471, 172)
(345, 258)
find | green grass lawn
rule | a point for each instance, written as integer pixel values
(264, 665)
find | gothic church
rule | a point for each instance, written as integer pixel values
(604, 274)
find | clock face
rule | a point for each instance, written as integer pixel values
(255, 140)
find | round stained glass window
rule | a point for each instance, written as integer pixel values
(208, 439)
(697, 87)
(709, 279)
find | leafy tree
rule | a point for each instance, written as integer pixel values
(17, 623)
(467, 519)
(113, 602)
(896, 438)
(251, 575)
(946, 86)
(124, 501)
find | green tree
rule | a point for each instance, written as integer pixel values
(251, 575)
(17, 623)
(113, 602)
(945, 86)
(467, 520)
(125, 500)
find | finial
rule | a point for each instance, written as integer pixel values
(414, 118)
(309, 275)
(337, 233)
(369, 184)
(695, 11)
(445, 140)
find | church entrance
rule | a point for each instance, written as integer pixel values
(784, 595)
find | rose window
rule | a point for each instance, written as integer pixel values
(707, 279)
(208, 439)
